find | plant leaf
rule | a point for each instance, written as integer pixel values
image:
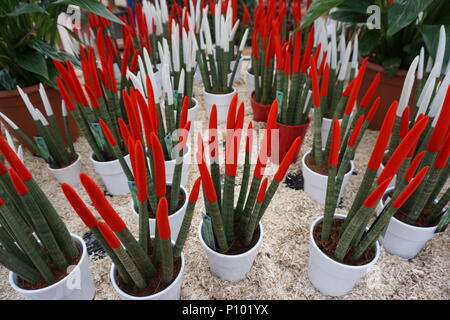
(356, 5)
(430, 36)
(6, 80)
(369, 41)
(44, 48)
(317, 8)
(93, 6)
(25, 8)
(402, 12)
(349, 16)
(392, 65)
(34, 62)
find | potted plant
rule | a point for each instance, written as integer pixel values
(314, 163)
(28, 42)
(36, 246)
(292, 88)
(229, 235)
(215, 62)
(271, 27)
(144, 268)
(393, 44)
(63, 162)
(155, 169)
(163, 117)
(413, 224)
(342, 248)
(105, 102)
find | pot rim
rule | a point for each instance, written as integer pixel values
(91, 157)
(73, 164)
(84, 252)
(183, 189)
(234, 256)
(220, 94)
(313, 242)
(304, 165)
(308, 121)
(416, 228)
(112, 278)
(254, 102)
(196, 105)
(28, 89)
(379, 68)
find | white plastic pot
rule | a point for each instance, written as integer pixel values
(175, 219)
(326, 126)
(112, 175)
(77, 285)
(250, 79)
(69, 174)
(170, 167)
(231, 267)
(331, 277)
(315, 184)
(222, 102)
(402, 239)
(192, 112)
(172, 292)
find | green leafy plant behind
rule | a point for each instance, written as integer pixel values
(28, 39)
(405, 26)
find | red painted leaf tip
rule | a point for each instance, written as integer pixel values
(442, 158)
(109, 235)
(193, 196)
(17, 182)
(65, 95)
(413, 166)
(101, 204)
(288, 159)
(315, 84)
(262, 190)
(402, 150)
(141, 172)
(410, 188)
(324, 84)
(383, 138)
(213, 117)
(356, 130)
(442, 126)
(373, 109)
(370, 92)
(162, 219)
(376, 194)
(335, 143)
(348, 89)
(3, 168)
(160, 174)
(109, 136)
(18, 166)
(79, 206)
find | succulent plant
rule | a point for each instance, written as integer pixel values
(215, 61)
(352, 233)
(255, 196)
(35, 243)
(49, 144)
(135, 259)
